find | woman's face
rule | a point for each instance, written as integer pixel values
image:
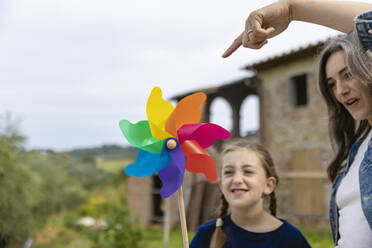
(244, 180)
(352, 94)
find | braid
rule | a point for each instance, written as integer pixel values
(219, 237)
(272, 206)
(224, 207)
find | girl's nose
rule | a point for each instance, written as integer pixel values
(238, 177)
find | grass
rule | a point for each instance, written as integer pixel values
(319, 237)
(153, 238)
(56, 235)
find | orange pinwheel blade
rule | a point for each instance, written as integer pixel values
(187, 111)
(198, 160)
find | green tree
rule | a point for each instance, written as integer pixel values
(15, 182)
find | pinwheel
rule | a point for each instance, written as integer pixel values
(170, 141)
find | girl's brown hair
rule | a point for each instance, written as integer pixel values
(344, 130)
(219, 237)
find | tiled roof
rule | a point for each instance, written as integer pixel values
(249, 82)
(311, 49)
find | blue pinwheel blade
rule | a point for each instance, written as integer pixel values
(148, 163)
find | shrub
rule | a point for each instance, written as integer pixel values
(121, 231)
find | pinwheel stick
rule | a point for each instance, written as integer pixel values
(181, 208)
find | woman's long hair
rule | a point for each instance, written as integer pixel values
(219, 237)
(344, 130)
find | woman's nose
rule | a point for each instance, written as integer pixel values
(341, 88)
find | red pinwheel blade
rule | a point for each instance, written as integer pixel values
(198, 160)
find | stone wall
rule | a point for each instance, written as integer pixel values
(297, 138)
(139, 193)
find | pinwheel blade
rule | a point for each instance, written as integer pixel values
(148, 163)
(187, 112)
(205, 134)
(158, 111)
(139, 135)
(198, 160)
(172, 175)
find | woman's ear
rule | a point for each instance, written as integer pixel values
(270, 185)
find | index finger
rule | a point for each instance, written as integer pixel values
(233, 47)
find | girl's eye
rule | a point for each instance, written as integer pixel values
(227, 172)
(248, 172)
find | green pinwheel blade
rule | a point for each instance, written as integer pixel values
(139, 135)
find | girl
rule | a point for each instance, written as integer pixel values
(248, 175)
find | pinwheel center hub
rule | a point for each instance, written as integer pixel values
(171, 144)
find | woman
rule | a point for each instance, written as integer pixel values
(345, 81)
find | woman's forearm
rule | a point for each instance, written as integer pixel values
(273, 19)
(338, 15)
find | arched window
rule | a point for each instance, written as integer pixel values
(220, 113)
(249, 116)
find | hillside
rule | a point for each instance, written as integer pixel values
(106, 152)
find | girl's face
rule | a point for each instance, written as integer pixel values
(243, 181)
(352, 94)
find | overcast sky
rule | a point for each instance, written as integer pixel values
(70, 70)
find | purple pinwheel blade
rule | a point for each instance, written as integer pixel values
(148, 163)
(172, 175)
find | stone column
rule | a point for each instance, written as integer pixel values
(235, 131)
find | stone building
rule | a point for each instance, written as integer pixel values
(293, 126)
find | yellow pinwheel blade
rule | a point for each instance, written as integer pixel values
(158, 111)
